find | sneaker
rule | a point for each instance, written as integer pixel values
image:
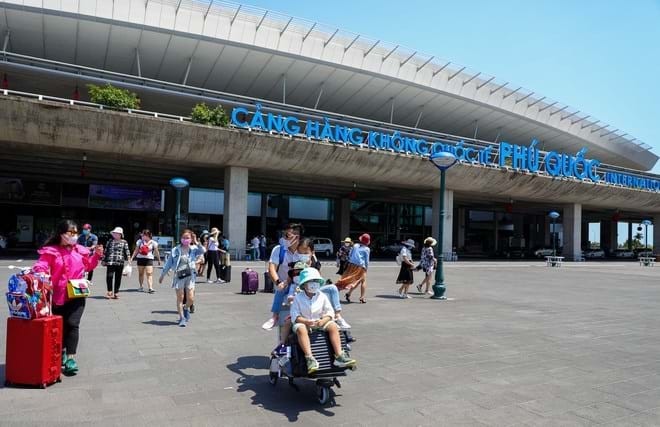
(343, 361)
(64, 358)
(343, 324)
(407, 296)
(312, 365)
(70, 367)
(419, 288)
(151, 291)
(402, 295)
(268, 324)
(182, 322)
(192, 308)
(186, 314)
(209, 281)
(429, 293)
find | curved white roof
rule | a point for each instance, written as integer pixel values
(249, 51)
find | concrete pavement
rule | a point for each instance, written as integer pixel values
(521, 344)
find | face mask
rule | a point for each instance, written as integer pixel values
(313, 287)
(85, 232)
(304, 258)
(69, 240)
(116, 236)
(186, 242)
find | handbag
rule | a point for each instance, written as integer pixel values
(78, 288)
(127, 271)
(182, 274)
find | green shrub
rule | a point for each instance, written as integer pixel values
(113, 96)
(202, 113)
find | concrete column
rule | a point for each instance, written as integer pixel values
(342, 220)
(572, 222)
(547, 236)
(630, 235)
(656, 234)
(234, 224)
(606, 234)
(461, 228)
(585, 233)
(264, 213)
(446, 245)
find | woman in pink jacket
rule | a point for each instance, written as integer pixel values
(63, 258)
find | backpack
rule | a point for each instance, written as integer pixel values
(144, 249)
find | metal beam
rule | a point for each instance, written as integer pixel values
(286, 26)
(471, 78)
(283, 88)
(5, 44)
(546, 107)
(485, 83)
(407, 59)
(456, 73)
(618, 136)
(599, 128)
(389, 53)
(511, 93)
(208, 9)
(441, 68)
(309, 32)
(590, 124)
(570, 115)
(535, 102)
(608, 133)
(419, 117)
(392, 112)
(325, 43)
(558, 111)
(318, 98)
(137, 61)
(178, 6)
(524, 98)
(261, 21)
(476, 128)
(492, 91)
(579, 120)
(351, 43)
(499, 132)
(370, 49)
(185, 77)
(235, 14)
(425, 63)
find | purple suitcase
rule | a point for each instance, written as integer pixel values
(249, 281)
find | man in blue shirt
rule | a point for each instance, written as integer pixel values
(88, 240)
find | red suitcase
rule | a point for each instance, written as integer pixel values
(34, 351)
(249, 281)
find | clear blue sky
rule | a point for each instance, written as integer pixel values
(600, 57)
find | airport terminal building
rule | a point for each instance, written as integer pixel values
(326, 127)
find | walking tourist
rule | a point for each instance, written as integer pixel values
(65, 260)
(427, 264)
(356, 269)
(213, 255)
(342, 255)
(182, 263)
(405, 277)
(202, 260)
(146, 251)
(116, 254)
(255, 248)
(262, 247)
(88, 240)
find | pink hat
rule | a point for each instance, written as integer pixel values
(87, 227)
(365, 239)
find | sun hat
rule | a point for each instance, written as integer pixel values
(118, 230)
(87, 227)
(348, 240)
(310, 274)
(430, 240)
(215, 231)
(365, 239)
(410, 243)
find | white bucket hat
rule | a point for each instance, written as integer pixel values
(430, 240)
(118, 230)
(410, 243)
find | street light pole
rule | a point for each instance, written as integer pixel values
(646, 224)
(442, 161)
(179, 184)
(554, 215)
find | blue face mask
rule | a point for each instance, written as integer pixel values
(313, 287)
(306, 258)
(85, 232)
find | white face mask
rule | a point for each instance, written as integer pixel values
(69, 240)
(313, 287)
(306, 258)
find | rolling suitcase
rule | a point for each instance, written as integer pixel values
(249, 281)
(34, 351)
(269, 286)
(225, 273)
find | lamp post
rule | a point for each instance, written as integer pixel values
(646, 224)
(179, 184)
(442, 161)
(554, 215)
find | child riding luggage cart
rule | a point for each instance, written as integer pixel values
(316, 349)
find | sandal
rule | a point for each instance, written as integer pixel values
(348, 298)
(115, 296)
(363, 300)
(108, 295)
(151, 291)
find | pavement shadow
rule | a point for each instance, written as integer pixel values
(280, 398)
(161, 323)
(387, 296)
(2, 376)
(164, 312)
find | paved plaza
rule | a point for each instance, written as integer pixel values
(521, 344)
